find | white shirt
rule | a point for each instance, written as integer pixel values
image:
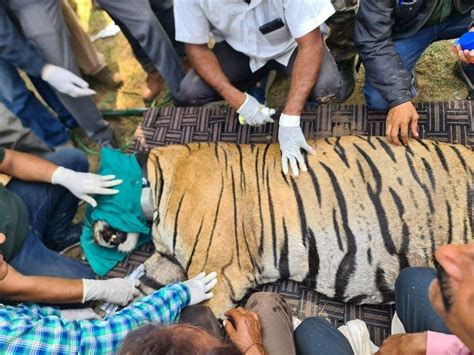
(238, 24)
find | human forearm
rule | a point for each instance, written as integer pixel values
(18, 287)
(305, 71)
(207, 66)
(27, 167)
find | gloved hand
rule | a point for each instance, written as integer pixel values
(66, 82)
(199, 287)
(291, 139)
(116, 291)
(82, 185)
(253, 113)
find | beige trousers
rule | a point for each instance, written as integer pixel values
(88, 59)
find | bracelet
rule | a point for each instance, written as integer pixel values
(251, 346)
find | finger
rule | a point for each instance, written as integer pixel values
(284, 165)
(462, 56)
(207, 296)
(89, 200)
(79, 92)
(79, 82)
(104, 191)
(136, 283)
(136, 292)
(434, 295)
(271, 111)
(394, 135)
(111, 183)
(210, 285)
(199, 276)
(209, 277)
(414, 128)
(301, 162)
(229, 328)
(309, 149)
(106, 177)
(404, 133)
(294, 166)
(268, 120)
(234, 313)
(387, 133)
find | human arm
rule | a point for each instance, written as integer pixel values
(465, 55)
(401, 344)
(28, 167)
(51, 332)
(384, 68)
(18, 287)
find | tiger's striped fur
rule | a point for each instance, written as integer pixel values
(364, 210)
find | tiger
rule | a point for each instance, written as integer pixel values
(363, 211)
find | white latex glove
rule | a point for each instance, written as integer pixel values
(200, 286)
(253, 113)
(291, 139)
(66, 82)
(82, 185)
(116, 291)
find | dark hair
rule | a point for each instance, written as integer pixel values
(155, 339)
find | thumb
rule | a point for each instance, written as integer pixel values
(207, 296)
(136, 283)
(89, 200)
(229, 328)
(309, 149)
(74, 79)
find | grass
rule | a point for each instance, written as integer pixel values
(434, 73)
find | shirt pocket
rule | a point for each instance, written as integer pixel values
(279, 36)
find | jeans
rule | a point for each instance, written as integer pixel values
(412, 304)
(51, 210)
(316, 336)
(33, 114)
(410, 50)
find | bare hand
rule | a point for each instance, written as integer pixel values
(243, 328)
(458, 262)
(403, 344)
(401, 119)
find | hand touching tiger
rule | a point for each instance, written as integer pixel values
(292, 140)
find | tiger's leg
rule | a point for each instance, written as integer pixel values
(160, 271)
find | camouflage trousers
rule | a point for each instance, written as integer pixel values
(340, 39)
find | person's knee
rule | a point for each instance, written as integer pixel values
(198, 314)
(74, 159)
(193, 91)
(312, 326)
(411, 276)
(266, 301)
(374, 100)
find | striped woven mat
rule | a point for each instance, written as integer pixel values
(443, 121)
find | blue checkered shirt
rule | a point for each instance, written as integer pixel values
(31, 329)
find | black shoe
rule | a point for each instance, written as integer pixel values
(347, 72)
(465, 72)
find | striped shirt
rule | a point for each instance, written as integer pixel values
(31, 329)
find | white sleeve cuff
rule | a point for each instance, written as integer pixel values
(289, 120)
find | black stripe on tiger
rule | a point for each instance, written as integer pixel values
(429, 171)
(449, 213)
(162, 184)
(215, 220)
(190, 260)
(347, 265)
(225, 162)
(313, 260)
(301, 211)
(283, 265)
(264, 160)
(441, 157)
(423, 144)
(377, 202)
(368, 140)
(254, 264)
(403, 251)
(341, 152)
(224, 268)
(387, 149)
(216, 151)
(382, 286)
(460, 157)
(243, 183)
(272, 222)
(234, 200)
(262, 231)
(420, 183)
(336, 230)
(176, 219)
(315, 182)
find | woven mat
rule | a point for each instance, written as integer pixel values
(445, 121)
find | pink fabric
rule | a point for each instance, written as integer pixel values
(445, 344)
